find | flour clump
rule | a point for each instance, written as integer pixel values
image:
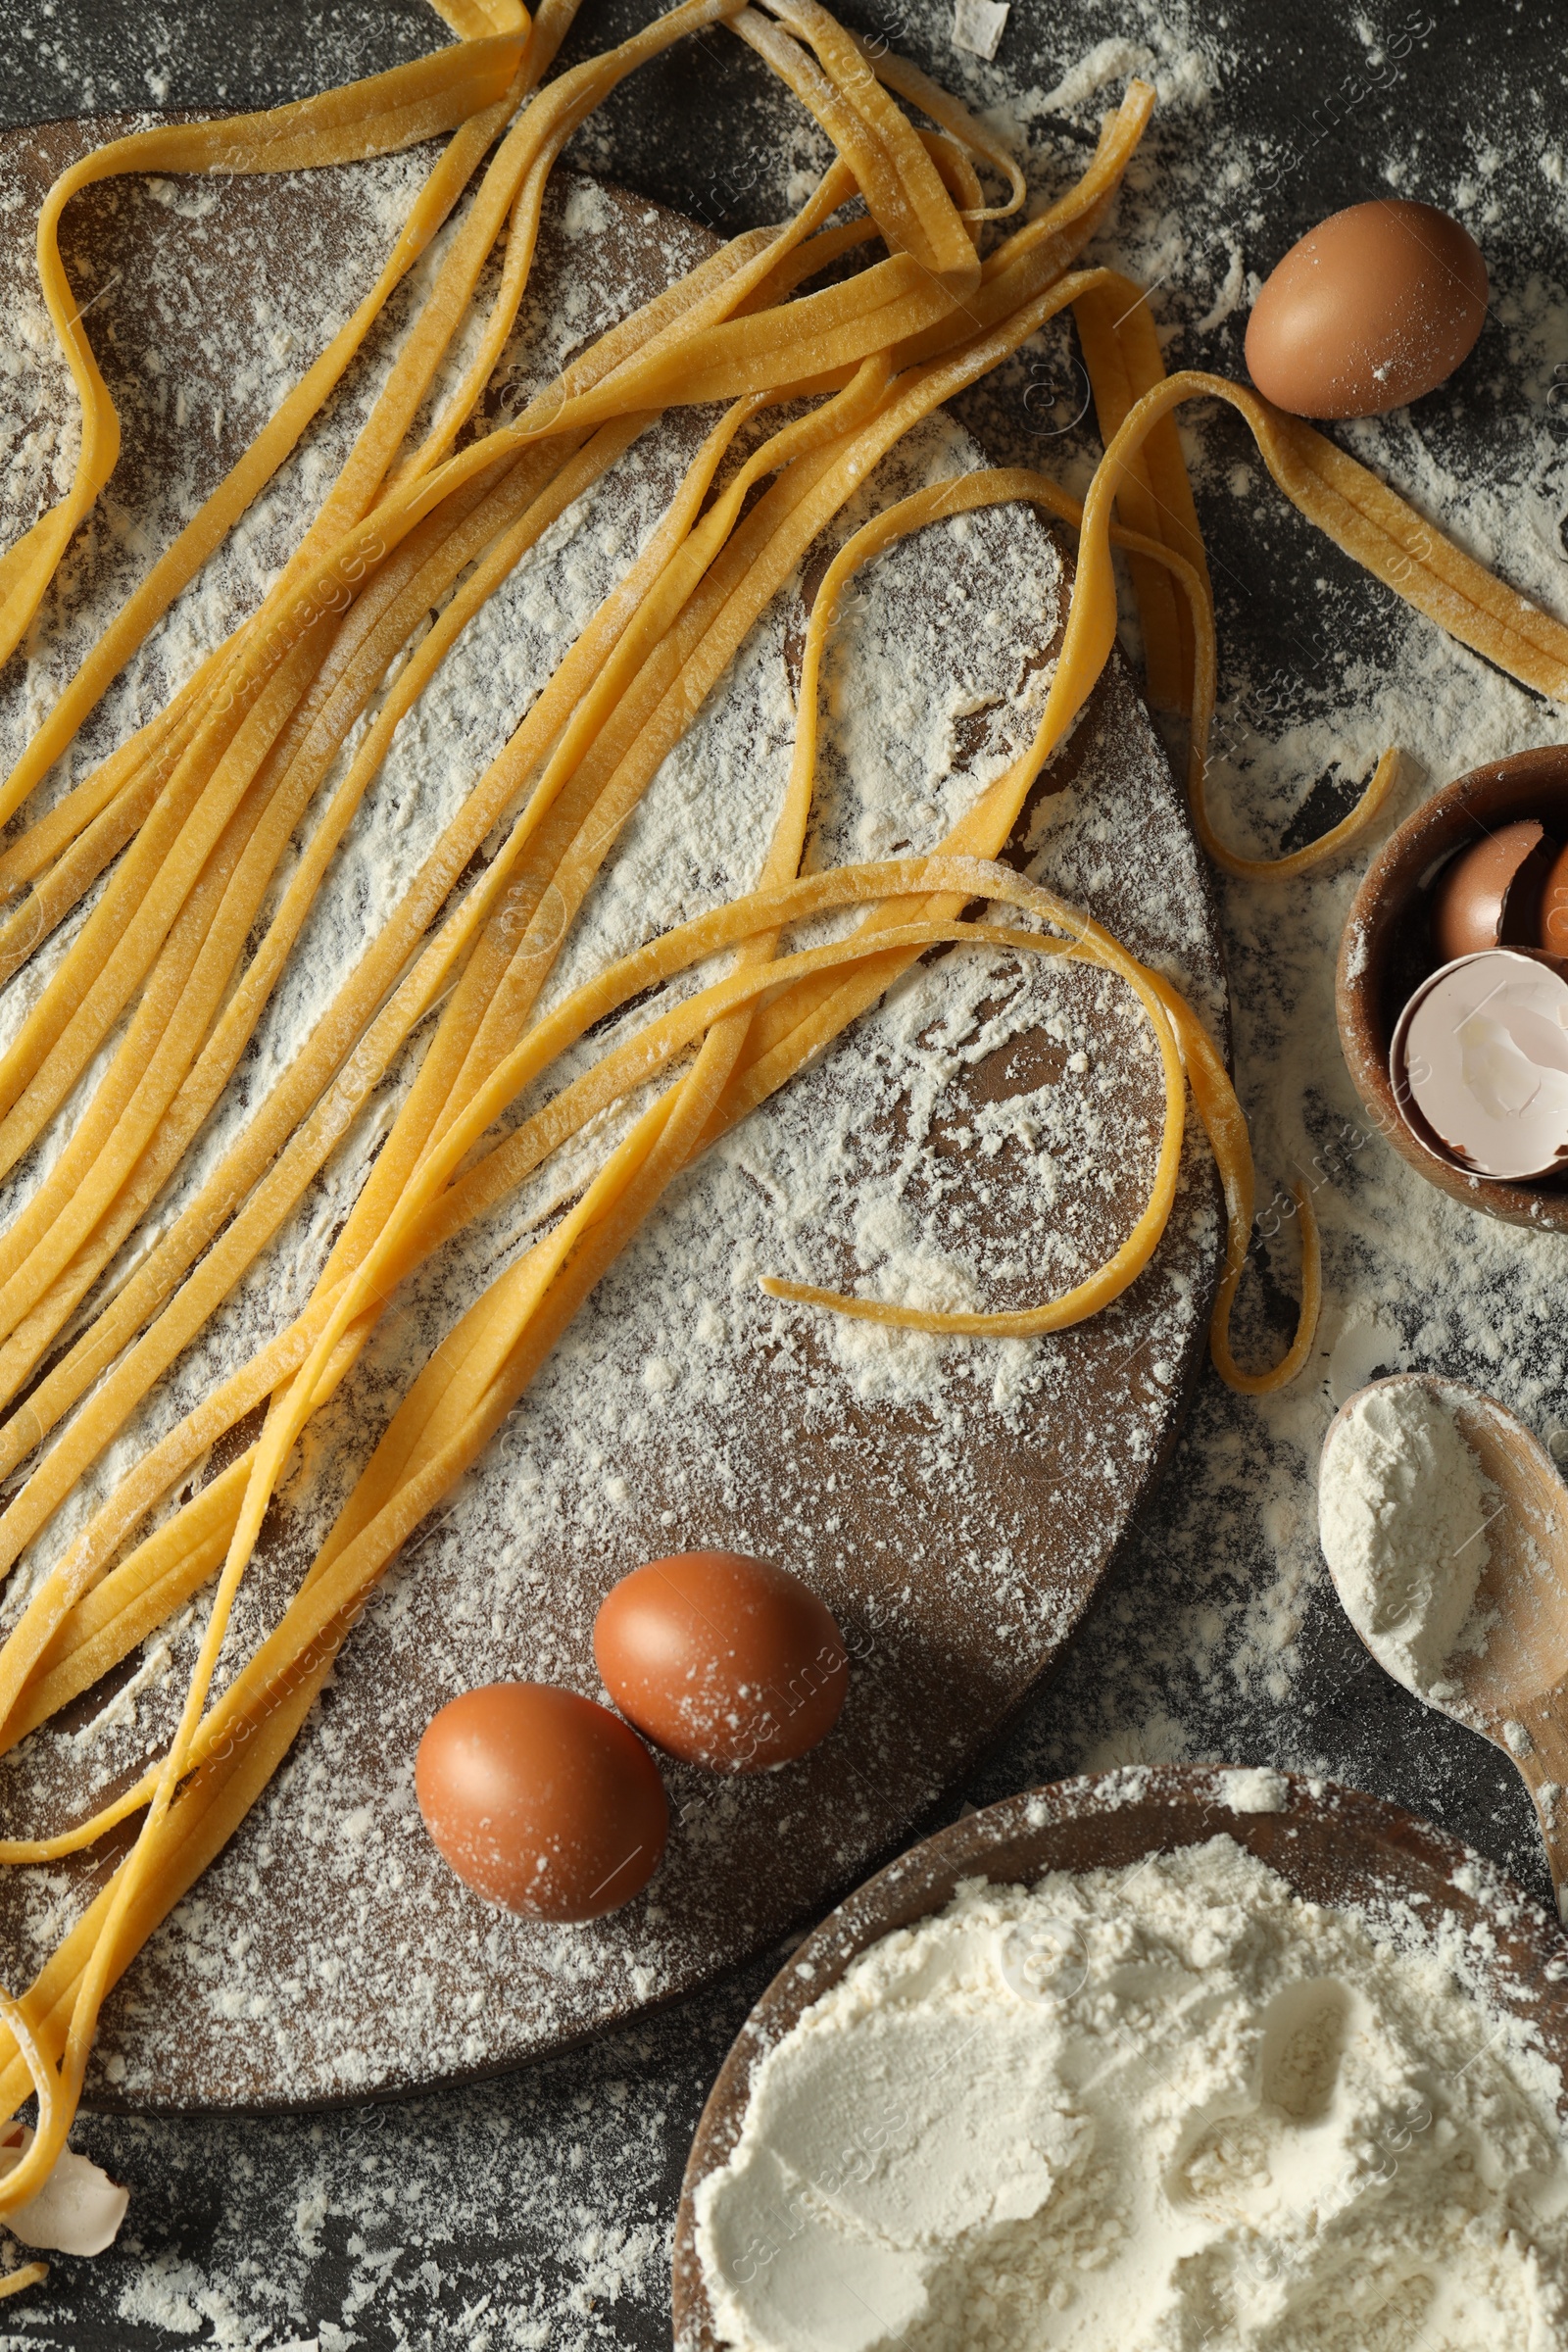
(1404, 1506)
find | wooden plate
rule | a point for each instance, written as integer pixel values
(1333, 1844)
(957, 1505)
(1386, 953)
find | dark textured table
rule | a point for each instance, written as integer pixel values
(536, 2210)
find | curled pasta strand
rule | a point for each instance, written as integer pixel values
(179, 563)
(1143, 472)
(49, 2133)
(954, 117)
(377, 116)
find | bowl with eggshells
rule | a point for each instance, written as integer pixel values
(1463, 918)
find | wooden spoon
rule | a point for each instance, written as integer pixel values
(1515, 1691)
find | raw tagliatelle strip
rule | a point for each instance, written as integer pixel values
(1121, 352)
(327, 1600)
(336, 1033)
(467, 1437)
(109, 989)
(831, 889)
(173, 1454)
(438, 1431)
(791, 1032)
(171, 757)
(750, 571)
(1145, 473)
(378, 117)
(1171, 578)
(178, 565)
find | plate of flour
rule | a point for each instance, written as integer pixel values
(1182, 2054)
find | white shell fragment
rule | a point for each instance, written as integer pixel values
(1481, 1051)
(978, 26)
(78, 2211)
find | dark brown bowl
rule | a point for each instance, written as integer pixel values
(1332, 1844)
(1384, 955)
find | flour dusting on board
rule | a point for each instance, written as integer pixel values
(983, 1137)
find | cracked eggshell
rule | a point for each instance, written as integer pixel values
(78, 2211)
(1552, 920)
(1490, 894)
(1479, 1063)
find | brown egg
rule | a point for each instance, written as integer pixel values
(1491, 894)
(542, 1800)
(1551, 916)
(1368, 310)
(724, 1660)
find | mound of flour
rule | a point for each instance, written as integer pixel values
(1404, 1506)
(1167, 2105)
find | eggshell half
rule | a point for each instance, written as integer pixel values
(1479, 1062)
(1551, 915)
(1488, 895)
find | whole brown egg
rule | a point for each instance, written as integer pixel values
(542, 1800)
(722, 1659)
(1373, 308)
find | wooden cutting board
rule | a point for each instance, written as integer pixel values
(978, 1137)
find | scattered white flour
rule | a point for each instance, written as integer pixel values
(1255, 1789)
(1403, 1509)
(536, 2213)
(1224, 1603)
(1172, 2104)
(986, 1133)
(1111, 61)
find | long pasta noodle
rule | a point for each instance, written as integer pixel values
(377, 116)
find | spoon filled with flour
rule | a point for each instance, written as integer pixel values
(1445, 1525)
